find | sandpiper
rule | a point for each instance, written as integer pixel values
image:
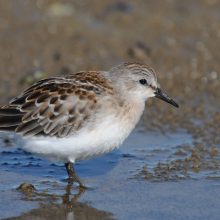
(82, 115)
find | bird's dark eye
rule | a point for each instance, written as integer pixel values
(143, 81)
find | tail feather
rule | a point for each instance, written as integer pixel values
(10, 112)
(8, 121)
(8, 129)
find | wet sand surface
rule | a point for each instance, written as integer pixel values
(169, 166)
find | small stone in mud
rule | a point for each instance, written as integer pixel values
(179, 152)
(26, 187)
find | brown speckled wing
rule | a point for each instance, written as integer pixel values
(58, 106)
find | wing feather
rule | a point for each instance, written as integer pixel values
(25, 127)
(58, 106)
(33, 132)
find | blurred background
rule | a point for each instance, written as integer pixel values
(179, 39)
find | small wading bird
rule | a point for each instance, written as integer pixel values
(82, 115)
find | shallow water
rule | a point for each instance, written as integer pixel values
(117, 190)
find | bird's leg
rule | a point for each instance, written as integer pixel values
(72, 174)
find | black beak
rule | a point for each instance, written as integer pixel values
(161, 95)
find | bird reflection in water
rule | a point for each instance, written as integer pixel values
(70, 209)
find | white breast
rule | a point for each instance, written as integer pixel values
(106, 137)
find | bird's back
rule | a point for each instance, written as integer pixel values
(57, 106)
